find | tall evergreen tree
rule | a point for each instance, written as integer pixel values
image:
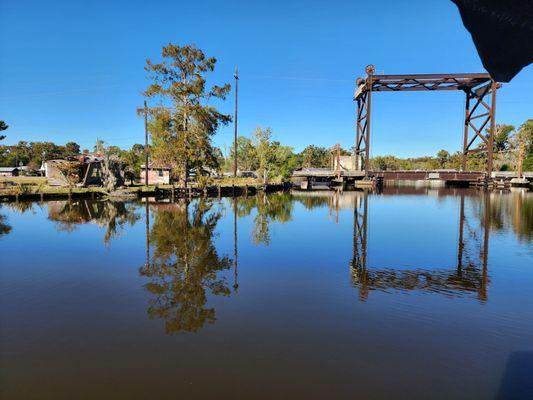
(182, 132)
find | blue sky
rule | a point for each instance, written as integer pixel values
(73, 70)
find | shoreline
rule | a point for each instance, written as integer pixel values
(141, 191)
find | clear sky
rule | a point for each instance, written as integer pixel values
(73, 70)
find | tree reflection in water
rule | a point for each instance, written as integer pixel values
(185, 265)
(515, 210)
(112, 215)
(5, 228)
(275, 207)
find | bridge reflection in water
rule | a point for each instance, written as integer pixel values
(469, 275)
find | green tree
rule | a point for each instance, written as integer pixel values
(3, 127)
(265, 153)
(131, 162)
(72, 149)
(246, 155)
(526, 132)
(284, 161)
(443, 157)
(315, 157)
(185, 129)
(501, 137)
(385, 163)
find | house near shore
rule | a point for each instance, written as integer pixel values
(84, 170)
(158, 174)
(14, 171)
(9, 171)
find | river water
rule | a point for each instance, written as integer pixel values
(409, 293)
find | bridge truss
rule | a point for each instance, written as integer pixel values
(479, 110)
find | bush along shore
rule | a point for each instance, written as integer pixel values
(41, 193)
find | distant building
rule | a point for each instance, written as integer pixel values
(344, 163)
(9, 171)
(15, 171)
(157, 174)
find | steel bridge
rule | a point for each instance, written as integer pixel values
(479, 110)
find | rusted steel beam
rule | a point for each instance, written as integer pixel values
(420, 82)
(477, 87)
(492, 129)
(466, 76)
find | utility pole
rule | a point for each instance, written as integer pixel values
(236, 76)
(145, 145)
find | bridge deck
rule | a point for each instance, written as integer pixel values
(445, 175)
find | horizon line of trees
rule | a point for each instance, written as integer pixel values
(273, 161)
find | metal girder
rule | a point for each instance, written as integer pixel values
(477, 87)
(419, 82)
(480, 114)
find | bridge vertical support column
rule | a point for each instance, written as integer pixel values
(362, 139)
(480, 115)
(465, 133)
(492, 129)
(370, 72)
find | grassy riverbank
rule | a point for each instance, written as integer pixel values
(19, 188)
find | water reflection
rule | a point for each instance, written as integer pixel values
(480, 212)
(185, 265)
(5, 228)
(468, 276)
(112, 215)
(276, 207)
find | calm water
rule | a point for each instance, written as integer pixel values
(409, 293)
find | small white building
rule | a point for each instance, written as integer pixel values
(157, 174)
(9, 171)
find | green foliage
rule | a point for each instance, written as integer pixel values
(131, 162)
(182, 133)
(505, 167)
(443, 156)
(33, 153)
(246, 155)
(3, 127)
(501, 137)
(314, 157)
(526, 133)
(528, 163)
(72, 149)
